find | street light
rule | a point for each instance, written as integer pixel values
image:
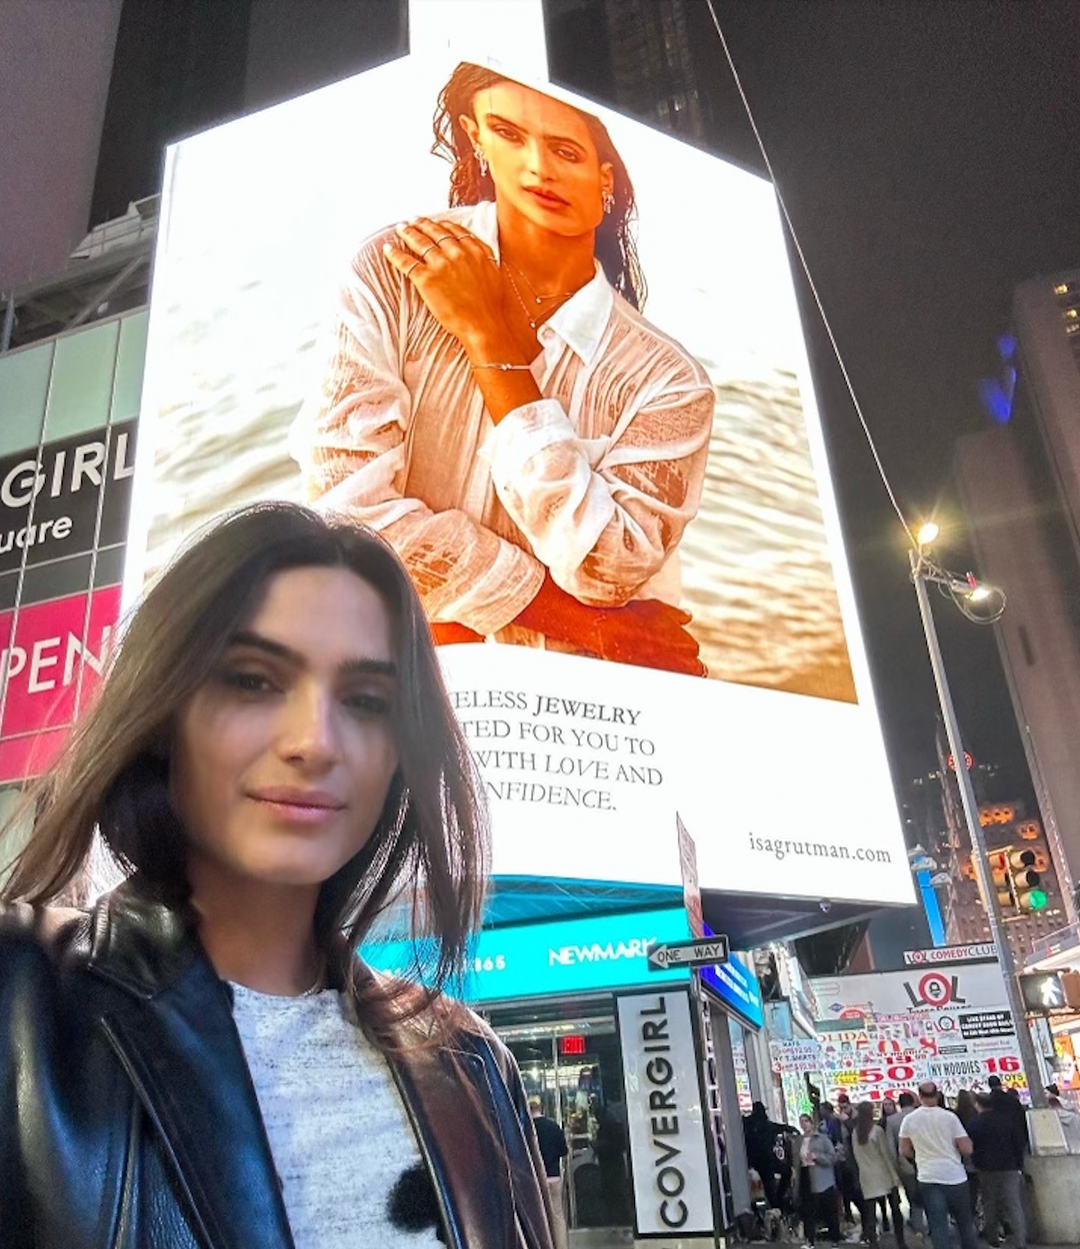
(982, 604)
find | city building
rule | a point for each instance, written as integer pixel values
(1029, 895)
(1020, 488)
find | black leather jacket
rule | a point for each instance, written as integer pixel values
(128, 1119)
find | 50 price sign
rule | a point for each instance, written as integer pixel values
(878, 1082)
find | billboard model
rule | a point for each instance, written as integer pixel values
(554, 358)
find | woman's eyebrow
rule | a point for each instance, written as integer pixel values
(495, 118)
(279, 650)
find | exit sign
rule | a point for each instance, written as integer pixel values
(571, 1046)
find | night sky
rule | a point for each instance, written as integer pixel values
(929, 155)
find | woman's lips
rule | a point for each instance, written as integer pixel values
(298, 806)
(547, 198)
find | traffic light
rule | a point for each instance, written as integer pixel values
(1026, 883)
(1042, 991)
(1070, 984)
(999, 871)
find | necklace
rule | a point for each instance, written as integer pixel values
(318, 986)
(540, 299)
(531, 317)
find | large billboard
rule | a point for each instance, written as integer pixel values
(555, 358)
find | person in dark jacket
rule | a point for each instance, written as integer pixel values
(998, 1155)
(761, 1133)
(553, 1149)
(1009, 1103)
(201, 1060)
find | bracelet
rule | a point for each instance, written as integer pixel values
(505, 368)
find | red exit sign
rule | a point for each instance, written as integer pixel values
(571, 1046)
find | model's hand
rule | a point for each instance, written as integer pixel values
(650, 633)
(646, 632)
(455, 274)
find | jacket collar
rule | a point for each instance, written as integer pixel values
(138, 943)
(174, 1033)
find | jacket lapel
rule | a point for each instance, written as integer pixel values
(459, 1139)
(173, 1032)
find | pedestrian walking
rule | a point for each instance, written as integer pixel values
(934, 1138)
(878, 1176)
(998, 1153)
(817, 1182)
(761, 1134)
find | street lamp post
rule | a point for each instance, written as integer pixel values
(922, 572)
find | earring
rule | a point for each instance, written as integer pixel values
(481, 160)
(608, 200)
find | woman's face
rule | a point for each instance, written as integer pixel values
(282, 761)
(542, 158)
(807, 1125)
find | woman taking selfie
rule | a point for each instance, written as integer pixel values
(201, 1061)
(498, 408)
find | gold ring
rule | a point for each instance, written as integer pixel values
(444, 238)
(408, 271)
(428, 249)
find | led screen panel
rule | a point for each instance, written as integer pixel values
(626, 541)
(565, 956)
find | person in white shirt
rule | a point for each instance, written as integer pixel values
(937, 1142)
(497, 407)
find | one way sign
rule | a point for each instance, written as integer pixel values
(702, 953)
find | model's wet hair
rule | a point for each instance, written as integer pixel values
(615, 247)
(430, 844)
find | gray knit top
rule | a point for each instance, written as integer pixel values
(344, 1150)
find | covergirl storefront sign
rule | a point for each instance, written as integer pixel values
(668, 1157)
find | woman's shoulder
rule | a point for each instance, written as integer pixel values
(39, 946)
(419, 1017)
(660, 346)
(43, 931)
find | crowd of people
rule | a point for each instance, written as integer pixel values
(851, 1169)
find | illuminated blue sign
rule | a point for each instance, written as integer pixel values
(736, 985)
(564, 956)
(998, 392)
(932, 907)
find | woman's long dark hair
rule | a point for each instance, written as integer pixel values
(864, 1121)
(615, 247)
(431, 839)
(966, 1107)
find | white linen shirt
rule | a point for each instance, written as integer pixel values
(595, 482)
